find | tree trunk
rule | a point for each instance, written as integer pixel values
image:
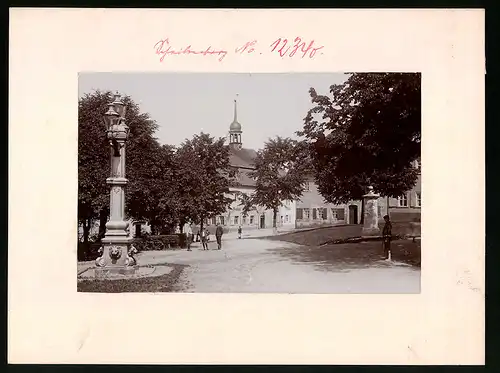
(362, 220)
(201, 226)
(275, 215)
(86, 230)
(103, 219)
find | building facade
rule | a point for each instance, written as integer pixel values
(407, 207)
(312, 210)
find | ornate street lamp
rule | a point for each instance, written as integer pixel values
(116, 250)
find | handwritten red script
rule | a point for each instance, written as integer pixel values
(281, 46)
(163, 48)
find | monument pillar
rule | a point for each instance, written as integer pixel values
(116, 250)
(370, 225)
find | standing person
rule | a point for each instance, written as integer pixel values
(204, 238)
(218, 235)
(387, 236)
(239, 232)
(189, 237)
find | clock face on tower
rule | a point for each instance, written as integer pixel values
(238, 146)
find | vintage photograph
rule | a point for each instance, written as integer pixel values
(302, 183)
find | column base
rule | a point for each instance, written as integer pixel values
(112, 271)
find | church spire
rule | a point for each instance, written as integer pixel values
(235, 128)
(235, 120)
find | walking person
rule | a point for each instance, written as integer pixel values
(387, 236)
(218, 235)
(239, 232)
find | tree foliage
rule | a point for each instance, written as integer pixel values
(151, 194)
(246, 203)
(367, 132)
(203, 177)
(280, 169)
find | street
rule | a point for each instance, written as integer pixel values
(264, 266)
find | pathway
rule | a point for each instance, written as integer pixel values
(257, 266)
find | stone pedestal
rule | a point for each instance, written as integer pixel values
(116, 259)
(117, 250)
(370, 225)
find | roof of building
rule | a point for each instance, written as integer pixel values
(243, 157)
(243, 160)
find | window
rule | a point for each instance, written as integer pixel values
(419, 199)
(324, 214)
(403, 201)
(221, 219)
(244, 220)
(214, 221)
(299, 214)
(286, 218)
(315, 214)
(306, 213)
(338, 214)
(281, 219)
(236, 219)
(251, 219)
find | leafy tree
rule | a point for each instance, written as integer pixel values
(368, 133)
(246, 202)
(280, 174)
(203, 177)
(151, 195)
(94, 154)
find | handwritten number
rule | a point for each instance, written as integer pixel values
(285, 42)
(276, 43)
(296, 46)
(282, 47)
(313, 52)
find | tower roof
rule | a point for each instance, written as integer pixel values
(235, 126)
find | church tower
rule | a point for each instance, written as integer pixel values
(235, 131)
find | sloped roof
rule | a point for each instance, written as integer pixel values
(242, 158)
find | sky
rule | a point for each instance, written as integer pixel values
(184, 104)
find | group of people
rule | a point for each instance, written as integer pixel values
(204, 236)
